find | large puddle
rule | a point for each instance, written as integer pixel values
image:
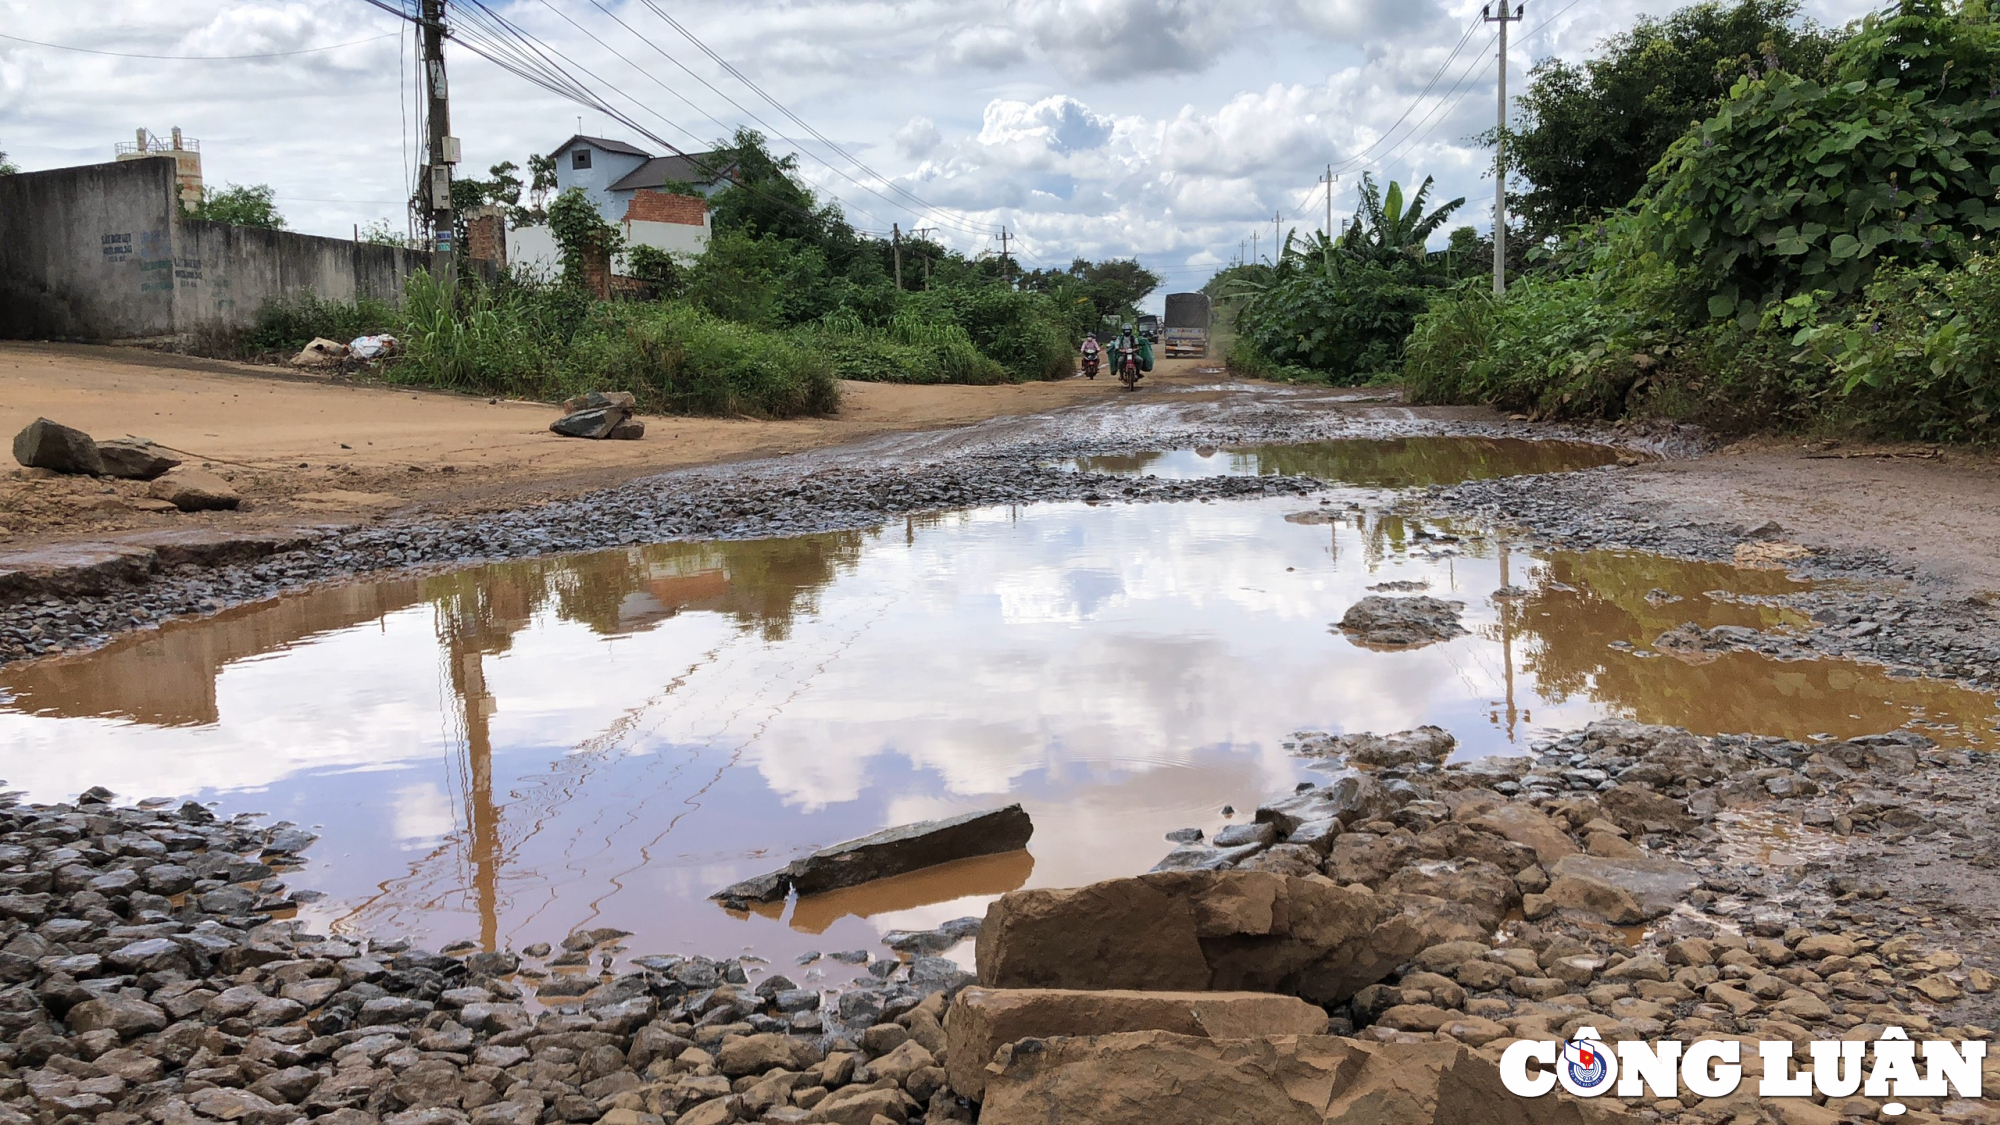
(515, 751)
(1402, 462)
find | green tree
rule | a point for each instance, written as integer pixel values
(7, 167)
(580, 233)
(252, 205)
(1796, 186)
(1589, 132)
(1389, 230)
(1114, 286)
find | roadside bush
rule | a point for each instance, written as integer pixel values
(287, 326)
(908, 351)
(1348, 326)
(1028, 334)
(683, 360)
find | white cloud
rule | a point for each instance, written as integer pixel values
(918, 137)
(1163, 128)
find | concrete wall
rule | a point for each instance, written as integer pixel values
(88, 253)
(102, 252)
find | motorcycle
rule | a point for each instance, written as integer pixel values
(1128, 369)
(1090, 365)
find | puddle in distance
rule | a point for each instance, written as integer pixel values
(515, 751)
(1406, 462)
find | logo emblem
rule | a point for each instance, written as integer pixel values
(1587, 1068)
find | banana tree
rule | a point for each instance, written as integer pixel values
(1388, 229)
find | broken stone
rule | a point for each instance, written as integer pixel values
(1158, 1078)
(589, 423)
(194, 490)
(894, 851)
(1402, 622)
(133, 459)
(1654, 883)
(43, 444)
(982, 1020)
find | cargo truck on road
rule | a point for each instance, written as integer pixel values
(1188, 317)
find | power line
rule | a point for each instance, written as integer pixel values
(727, 66)
(1358, 157)
(197, 58)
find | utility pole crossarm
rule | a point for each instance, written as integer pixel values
(1500, 150)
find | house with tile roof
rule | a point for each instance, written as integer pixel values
(630, 188)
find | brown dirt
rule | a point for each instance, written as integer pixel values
(307, 448)
(1937, 509)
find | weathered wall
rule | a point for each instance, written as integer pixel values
(88, 253)
(224, 273)
(102, 252)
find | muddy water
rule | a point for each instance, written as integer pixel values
(515, 751)
(1373, 462)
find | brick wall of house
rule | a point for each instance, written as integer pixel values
(486, 235)
(649, 206)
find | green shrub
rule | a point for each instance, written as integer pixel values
(1348, 326)
(287, 326)
(679, 359)
(1028, 334)
(908, 351)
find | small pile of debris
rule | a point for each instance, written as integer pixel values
(322, 352)
(601, 414)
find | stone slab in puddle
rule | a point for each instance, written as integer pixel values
(892, 851)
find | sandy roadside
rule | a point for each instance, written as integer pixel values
(310, 449)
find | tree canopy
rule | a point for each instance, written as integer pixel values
(243, 205)
(1589, 132)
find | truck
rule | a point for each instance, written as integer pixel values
(1149, 326)
(1188, 317)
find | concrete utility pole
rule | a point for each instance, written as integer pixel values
(896, 247)
(443, 146)
(1329, 180)
(1500, 151)
(1277, 239)
(1005, 270)
(1253, 247)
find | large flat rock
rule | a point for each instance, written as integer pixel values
(982, 1020)
(892, 851)
(1159, 1078)
(1174, 931)
(1655, 882)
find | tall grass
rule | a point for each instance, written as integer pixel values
(680, 359)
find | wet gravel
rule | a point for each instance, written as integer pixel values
(1864, 605)
(760, 501)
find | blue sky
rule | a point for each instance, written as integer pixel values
(1168, 129)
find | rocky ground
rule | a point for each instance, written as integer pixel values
(1866, 604)
(1633, 879)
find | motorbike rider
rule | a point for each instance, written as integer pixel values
(1090, 349)
(1128, 345)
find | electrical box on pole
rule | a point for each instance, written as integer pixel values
(443, 147)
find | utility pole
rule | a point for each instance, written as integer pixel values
(443, 146)
(1500, 151)
(1329, 180)
(1253, 247)
(896, 247)
(1006, 272)
(1277, 249)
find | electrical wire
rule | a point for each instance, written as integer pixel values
(1356, 159)
(197, 58)
(731, 69)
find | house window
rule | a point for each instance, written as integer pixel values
(580, 158)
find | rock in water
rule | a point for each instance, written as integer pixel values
(51, 445)
(893, 851)
(1402, 622)
(194, 490)
(134, 460)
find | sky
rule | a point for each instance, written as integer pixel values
(1170, 130)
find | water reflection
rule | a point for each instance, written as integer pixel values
(516, 750)
(1370, 462)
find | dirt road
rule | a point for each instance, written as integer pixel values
(304, 447)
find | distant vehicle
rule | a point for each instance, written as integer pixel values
(1188, 318)
(1149, 326)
